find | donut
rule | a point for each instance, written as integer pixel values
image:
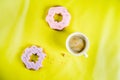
(60, 11)
(26, 56)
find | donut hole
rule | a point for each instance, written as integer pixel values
(58, 17)
(77, 44)
(34, 58)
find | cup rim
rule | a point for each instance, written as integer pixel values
(83, 52)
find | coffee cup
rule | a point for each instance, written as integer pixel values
(77, 44)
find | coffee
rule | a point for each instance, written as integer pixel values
(77, 44)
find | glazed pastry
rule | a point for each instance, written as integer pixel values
(26, 57)
(62, 13)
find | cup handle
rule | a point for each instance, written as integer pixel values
(86, 55)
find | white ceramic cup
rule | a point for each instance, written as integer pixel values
(82, 37)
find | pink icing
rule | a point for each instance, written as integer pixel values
(26, 56)
(58, 25)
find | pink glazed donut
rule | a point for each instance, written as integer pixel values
(65, 18)
(26, 57)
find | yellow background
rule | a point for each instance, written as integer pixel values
(22, 24)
